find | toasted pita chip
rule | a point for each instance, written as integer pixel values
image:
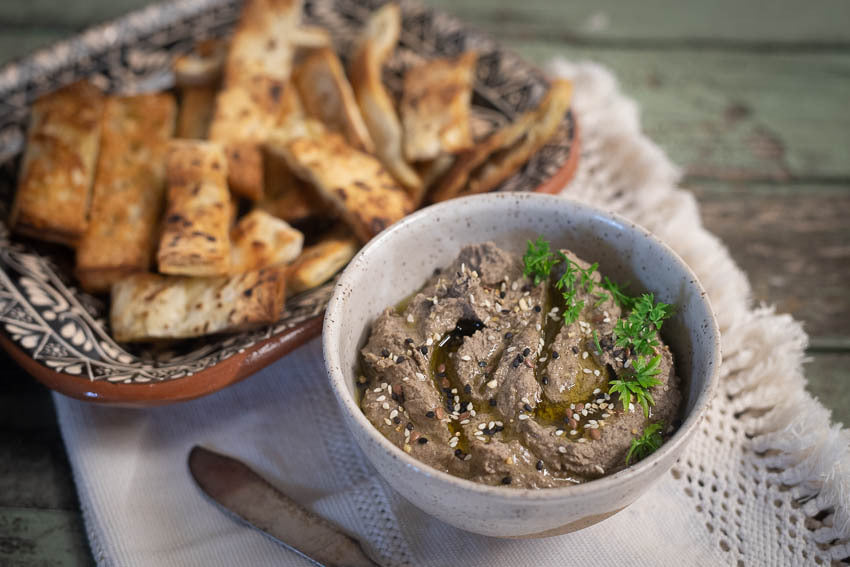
(377, 43)
(366, 196)
(261, 45)
(311, 37)
(261, 240)
(54, 185)
(287, 196)
(327, 96)
(203, 66)
(150, 306)
(432, 171)
(318, 263)
(197, 105)
(496, 158)
(435, 107)
(195, 239)
(128, 191)
(244, 118)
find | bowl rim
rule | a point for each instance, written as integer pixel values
(336, 309)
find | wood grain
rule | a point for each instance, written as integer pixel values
(43, 538)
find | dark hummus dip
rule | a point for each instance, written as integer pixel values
(479, 375)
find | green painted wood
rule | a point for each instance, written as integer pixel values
(793, 241)
(734, 115)
(15, 44)
(649, 22)
(782, 22)
(829, 381)
(34, 470)
(42, 538)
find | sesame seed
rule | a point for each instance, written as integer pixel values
(508, 335)
(587, 370)
(387, 421)
(584, 355)
(555, 354)
(399, 360)
(596, 372)
(466, 358)
(527, 407)
(507, 479)
(380, 398)
(539, 465)
(573, 432)
(422, 440)
(385, 405)
(562, 449)
(393, 413)
(423, 349)
(492, 384)
(526, 351)
(467, 457)
(429, 342)
(522, 417)
(582, 440)
(537, 308)
(410, 318)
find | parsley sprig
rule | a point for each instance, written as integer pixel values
(639, 331)
(647, 443)
(538, 260)
(637, 383)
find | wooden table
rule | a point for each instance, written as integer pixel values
(750, 99)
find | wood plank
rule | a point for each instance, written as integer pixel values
(34, 471)
(43, 538)
(69, 14)
(734, 115)
(793, 241)
(15, 44)
(829, 381)
(779, 22)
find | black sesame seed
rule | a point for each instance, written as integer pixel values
(396, 420)
(506, 311)
(492, 402)
(575, 350)
(527, 407)
(545, 380)
(526, 351)
(437, 271)
(555, 354)
(508, 335)
(423, 349)
(537, 309)
(408, 341)
(459, 453)
(399, 360)
(482, 363)
(501, 295)
(385, 353)
(409, 426)
(526, 287)
(441, 374)
(422, 440)
(539, 465)
(507, 480)
(430, 414)
(394, 396)
(467, 389)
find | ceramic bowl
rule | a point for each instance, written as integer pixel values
(399, 260)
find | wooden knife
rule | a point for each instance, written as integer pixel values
(251, 499)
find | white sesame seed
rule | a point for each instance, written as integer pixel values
(472, 299)
(587, 370)
(457, 407)
(559, 432)
(584, 412)
(410, 318)
(572, 406)
(537, 326)
(454, 391)
(462, 267)
(514, 285)
(492, 383)
(562, 449)
(599, 469)
(466, 358)
(606, 415)
(429, 342)
(628, 363)
(582, 440)
(631, 407)
(524, 400)
(385, 405)
(596, 391)
(405, 379)
(573, 432)
(596, 372)
(406, 432)
(482, 426)
(584, 355)
(380, 398)
(393, 413)
(467, 457)
(542, 359)
(387, 421)
(457, 434)
(523, 305)
(472, 412)
(499, 423)
(510, 349)
(420, 376)
(464, 421)
(522, 417)
(376, 390)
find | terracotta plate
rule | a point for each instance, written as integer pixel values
(60, 334)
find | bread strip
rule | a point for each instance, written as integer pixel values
(508, 148)
(327, 96)
(195, 237)
(260, 240)
(54, 185)
(150, 306)
(356, 184)
(318, 263)
(128, 190)
(435, 107)
(376, 45)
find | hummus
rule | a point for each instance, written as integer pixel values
(478, 375)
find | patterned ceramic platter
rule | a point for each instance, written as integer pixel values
(61, 335)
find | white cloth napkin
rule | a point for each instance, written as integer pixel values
(720, 504)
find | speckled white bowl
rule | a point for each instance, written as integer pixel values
(397, 262)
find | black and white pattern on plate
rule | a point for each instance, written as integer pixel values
(65, 329)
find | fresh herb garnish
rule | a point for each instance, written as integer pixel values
(538, 260)
(596, 342)
(647, 443)
(641, 378)
(621, 298)
(639, 330)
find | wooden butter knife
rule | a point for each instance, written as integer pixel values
(243, 493)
